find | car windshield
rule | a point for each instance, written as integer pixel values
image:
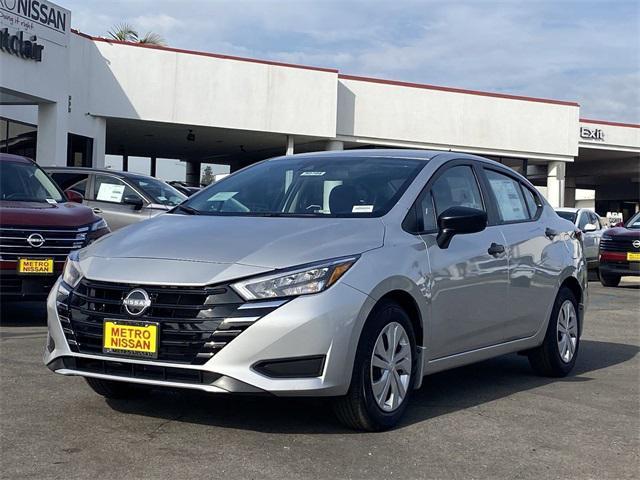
(310, 187)
(634, 222)
(571, 216)
(159, 191)
(26, 182)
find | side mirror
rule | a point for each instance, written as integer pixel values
(589, 227)
(133, 200)
(74, 196)
(458, 221)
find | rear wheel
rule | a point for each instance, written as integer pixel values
(558, 353)
(113, 389)
(610, 280)
(383, 372)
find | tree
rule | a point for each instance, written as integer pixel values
(207, 176)
(125, 32)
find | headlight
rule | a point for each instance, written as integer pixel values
(72, 274)
(302, 281)
(99, 225)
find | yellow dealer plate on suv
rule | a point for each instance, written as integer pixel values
(633, 257)
(139, 339)
(36, 266)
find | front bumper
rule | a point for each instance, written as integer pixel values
(324, 325)
(620, 268)
(20, 287)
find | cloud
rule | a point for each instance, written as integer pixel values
(573, 50)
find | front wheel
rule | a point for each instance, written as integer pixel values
(610, 280)
(558, 353)
(383, 373)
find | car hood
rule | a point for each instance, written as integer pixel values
(40, 214)
(622, 232)
(264, 242)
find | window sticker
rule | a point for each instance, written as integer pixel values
(312, 174)
(221, 196)
(362, 209)
(51, 201)
(109, 192)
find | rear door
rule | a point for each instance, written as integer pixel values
(469, 283)
(108, 200)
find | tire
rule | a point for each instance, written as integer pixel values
(113, 389)
(359, 409)
(551, 359)
(609, 280)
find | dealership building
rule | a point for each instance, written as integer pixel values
(67, 98)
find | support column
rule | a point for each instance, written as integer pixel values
(334, 145)
(125, 162)
(290, 145)
(555, 184)
(99, 143)
(570, 192)
(192, 176)
(153, 167)
(51, 146)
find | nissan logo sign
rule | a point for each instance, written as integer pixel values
(35, 240)
(636, 243)
(136, 302)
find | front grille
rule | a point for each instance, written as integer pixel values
(58, 242)
(195, 322)
(618, 245)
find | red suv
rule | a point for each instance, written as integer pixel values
(620, 252)
(39, 226)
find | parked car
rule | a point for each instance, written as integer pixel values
(39, 226)
(620, 252)
(121, 198)
(184, 188)
(348, 275)
(591, 226)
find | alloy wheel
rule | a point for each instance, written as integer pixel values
(567, 331)
(391, 363)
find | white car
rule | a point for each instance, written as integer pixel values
(592, 228)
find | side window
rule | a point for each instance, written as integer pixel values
(532, 201)
(111, 189)
(584, 219)
(428, 212)
(456, 187)
(509, 197)
(593, 218)
(80, 187)
(71, 181)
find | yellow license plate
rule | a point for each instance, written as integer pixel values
(138, 339)
(633, 257)
(37, 266)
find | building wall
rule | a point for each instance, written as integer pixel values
(167, 86)
(386, 112)
(609, 135)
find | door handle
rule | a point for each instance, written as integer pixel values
(495, 249)
(97, 210)
(550, 233)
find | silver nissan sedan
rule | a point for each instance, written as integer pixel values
(349, 275)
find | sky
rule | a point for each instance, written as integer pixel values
(584, 51)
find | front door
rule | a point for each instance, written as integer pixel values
(109, 200)
(469, 278)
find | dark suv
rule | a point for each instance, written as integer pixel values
(620, 252)
(39, 226)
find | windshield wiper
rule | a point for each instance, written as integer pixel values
(188, 210)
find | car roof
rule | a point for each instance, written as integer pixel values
(370, 152)
(88, 170)
(8, 157)
(568, 209)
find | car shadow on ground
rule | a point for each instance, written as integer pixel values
(441, 393)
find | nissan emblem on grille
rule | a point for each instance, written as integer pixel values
(636, 243)
(136, 302)
(35, 240)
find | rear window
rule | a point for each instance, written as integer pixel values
(571, 216)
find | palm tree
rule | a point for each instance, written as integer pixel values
(124, 32)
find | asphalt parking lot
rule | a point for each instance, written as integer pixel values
(491, 420)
